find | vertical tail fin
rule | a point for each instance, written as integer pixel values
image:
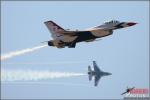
(90, 73)
(54, 29)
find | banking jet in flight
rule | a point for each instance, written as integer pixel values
(63, 38)
(97, 73)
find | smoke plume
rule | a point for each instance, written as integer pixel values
(33, 75)
(20, 52)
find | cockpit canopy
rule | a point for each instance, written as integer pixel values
(112, 21)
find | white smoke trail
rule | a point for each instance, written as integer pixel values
(48, 83)
(46, 63)
(32, 75)
(20, 52)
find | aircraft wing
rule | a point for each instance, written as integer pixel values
(73, 33)
(96, 68)
(97, 78)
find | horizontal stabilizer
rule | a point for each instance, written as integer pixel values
(90, 73)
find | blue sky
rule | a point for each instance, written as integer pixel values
(125, 53)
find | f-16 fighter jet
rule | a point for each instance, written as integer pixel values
(97, 73)
(63, 38)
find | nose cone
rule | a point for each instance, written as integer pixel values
(109, 73)
(131, 23)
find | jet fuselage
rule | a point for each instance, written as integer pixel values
(62, 38)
